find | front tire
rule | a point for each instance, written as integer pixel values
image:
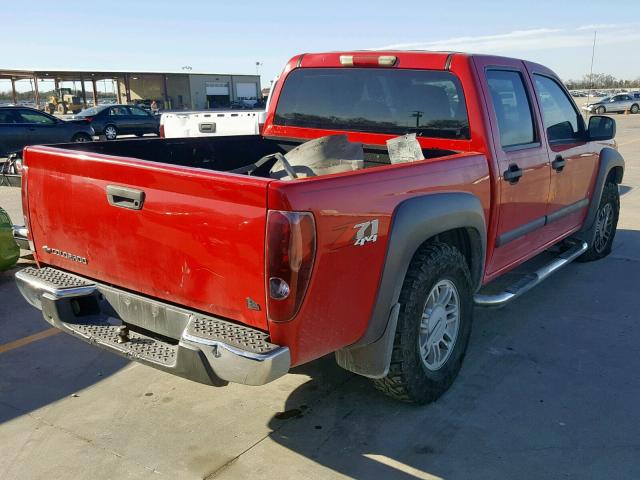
(634, 108)
(600, 110)
(605, 224)
(110, 132)
(434, 325)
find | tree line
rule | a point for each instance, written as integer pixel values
(601, 80)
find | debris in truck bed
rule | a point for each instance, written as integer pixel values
(404, 149)
(322, 156)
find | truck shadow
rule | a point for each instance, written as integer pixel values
(535, 377)
(41, 371)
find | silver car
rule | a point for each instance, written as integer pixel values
(615, 103)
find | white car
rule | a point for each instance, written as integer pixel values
(615, 103)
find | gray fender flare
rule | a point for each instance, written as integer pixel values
(415, 221)
(609, 159)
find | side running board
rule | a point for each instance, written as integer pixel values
(531, 280)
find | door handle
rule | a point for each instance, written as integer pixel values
(125, 197)
(513, 174)
(558, 163)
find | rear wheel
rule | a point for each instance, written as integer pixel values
(634, 108)
(110, 132)
(433, 326)
(606, 223)
(81, 137)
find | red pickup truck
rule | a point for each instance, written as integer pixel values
(197, 257)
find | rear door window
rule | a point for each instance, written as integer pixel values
(29, 116)
(138, 112)
(118, 111)
(429, 103)
(512, 107)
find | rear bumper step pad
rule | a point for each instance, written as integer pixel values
(209, 350)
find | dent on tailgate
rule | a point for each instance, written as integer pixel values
(198, 240)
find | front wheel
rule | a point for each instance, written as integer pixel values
(634, 108)
(110, 132)
(433, 326)
(606, 223)
(600, 110)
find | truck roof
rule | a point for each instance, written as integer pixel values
(421, 59)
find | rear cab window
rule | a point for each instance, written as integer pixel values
(426, 102)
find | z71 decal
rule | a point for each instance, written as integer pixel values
(367, 232)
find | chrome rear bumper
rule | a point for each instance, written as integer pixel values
(20, 236)
(189, 344)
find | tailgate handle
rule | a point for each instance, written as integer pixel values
(207, 127)
(125, 197)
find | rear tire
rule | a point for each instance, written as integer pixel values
(634, 108)
(81, 137)
(423, 365)
(605, 224)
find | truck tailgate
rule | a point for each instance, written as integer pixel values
(197, 240)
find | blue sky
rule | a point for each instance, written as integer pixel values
(229, 37)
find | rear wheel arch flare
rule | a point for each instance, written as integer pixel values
(458, 216)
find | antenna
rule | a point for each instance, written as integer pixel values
(593, 53)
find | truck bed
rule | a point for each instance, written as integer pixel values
(221, 154)
(195, 237)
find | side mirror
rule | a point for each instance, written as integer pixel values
(601, 128)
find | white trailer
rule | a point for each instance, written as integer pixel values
(211, 123)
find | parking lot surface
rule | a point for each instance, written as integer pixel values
(549, 389)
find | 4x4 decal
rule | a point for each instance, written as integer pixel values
(367, 232)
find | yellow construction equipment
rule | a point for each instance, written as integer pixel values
(64, 102)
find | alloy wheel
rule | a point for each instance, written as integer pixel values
(439, 325)
(604, 227)
(110, 132)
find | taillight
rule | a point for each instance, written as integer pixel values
(25, 205)
(88, 119)
(291, 248)
(18, 166)
(161, 131)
